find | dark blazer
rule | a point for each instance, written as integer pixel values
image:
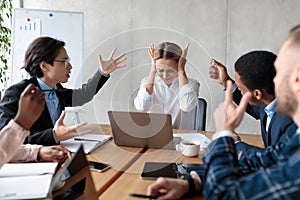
(41, 131)
(279, 125)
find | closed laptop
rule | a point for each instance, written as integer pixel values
(139, 129)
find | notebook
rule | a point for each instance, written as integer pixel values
(90, 142)
(26, 180)
(138, 129)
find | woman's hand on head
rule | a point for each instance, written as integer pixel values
(182, 59)
(151, 52)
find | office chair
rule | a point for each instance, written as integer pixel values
(199, 115)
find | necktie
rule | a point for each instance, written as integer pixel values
(53, 106)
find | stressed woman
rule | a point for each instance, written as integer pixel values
(167, 88)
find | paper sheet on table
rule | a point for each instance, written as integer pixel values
(88, 146)
(202, 139)
(27, 169)
(26, 180)
(25, 187)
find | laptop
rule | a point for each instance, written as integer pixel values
(71, 166)
(139, 129)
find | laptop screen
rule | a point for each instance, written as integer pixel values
(71, 166)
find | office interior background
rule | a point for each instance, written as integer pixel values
(220, 29)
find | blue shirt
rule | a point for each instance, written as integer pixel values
(51, 101)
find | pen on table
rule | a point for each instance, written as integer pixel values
(143, 196)
(88, 140)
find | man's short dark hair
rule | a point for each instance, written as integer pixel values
(41, 49)
(257, 70)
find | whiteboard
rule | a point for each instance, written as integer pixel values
(29, 24)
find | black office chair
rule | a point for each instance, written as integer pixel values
(199, 115)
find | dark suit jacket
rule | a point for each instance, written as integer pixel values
(279, 125)
(42, 130)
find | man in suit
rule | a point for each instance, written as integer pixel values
(254, 72)
(47, 62)
(277, 174)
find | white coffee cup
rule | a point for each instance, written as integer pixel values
(188, 148)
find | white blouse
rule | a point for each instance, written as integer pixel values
(178, 102)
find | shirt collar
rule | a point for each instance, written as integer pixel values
(270, 109)
(298, 131)
(43, 85)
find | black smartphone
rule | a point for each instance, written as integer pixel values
(153, 170)
(99, 167)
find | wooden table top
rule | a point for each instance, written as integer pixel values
(127, 164)
(120, 158)
(131, 179)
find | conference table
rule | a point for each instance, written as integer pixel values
(127, 163)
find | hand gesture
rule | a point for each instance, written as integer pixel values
(234, 114)
(63, 132)
(151, 52)
(53, 154)
(31, 105)
(110, 65)
(218, 72)
(174, 188)
(182, 59)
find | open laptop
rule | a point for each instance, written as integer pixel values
(139, 129)
(70, 168)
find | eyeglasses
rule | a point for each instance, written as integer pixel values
(66, 62)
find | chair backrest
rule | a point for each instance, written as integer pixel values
(199, 115)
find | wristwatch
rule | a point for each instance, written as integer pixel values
(192, 187)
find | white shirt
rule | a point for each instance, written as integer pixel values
(270, 110)
(178, 102)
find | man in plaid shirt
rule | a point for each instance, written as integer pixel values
(272, 174)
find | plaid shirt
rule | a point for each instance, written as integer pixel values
(274, 174)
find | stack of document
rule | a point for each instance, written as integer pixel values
(26, 180)
(89, 142)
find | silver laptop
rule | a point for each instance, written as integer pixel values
(139, 129)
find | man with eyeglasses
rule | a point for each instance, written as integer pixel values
(47, 62)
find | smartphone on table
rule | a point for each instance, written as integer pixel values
(98, 166)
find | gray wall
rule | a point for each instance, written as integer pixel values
(222, 29)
